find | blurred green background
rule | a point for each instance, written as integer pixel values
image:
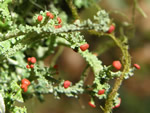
(135, 92)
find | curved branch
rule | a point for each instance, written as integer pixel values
(126, 60)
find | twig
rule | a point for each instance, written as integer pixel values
(73, 9)
(126, 60)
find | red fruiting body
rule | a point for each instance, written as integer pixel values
(27, 66)
(118, 103)
(102, 91)
(111, 29)
(51, 16)
(25, 81)
(25, 89)
(84, 47)
(33, 60)
(29, 59)
(58, 26)
(67, 83)
(92, 104)
(48, 14)
(117, 65)
(59, 20)
(40, 17)
(31, 66)
(23, 86)
(137, 66)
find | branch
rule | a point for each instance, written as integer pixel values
(126, 60)
(73, 9)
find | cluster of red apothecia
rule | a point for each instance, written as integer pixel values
(117, 65)
(67, 83)
(31, 62)
(51, 16)
(100, 92)
(91, 103)
(24, 84)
